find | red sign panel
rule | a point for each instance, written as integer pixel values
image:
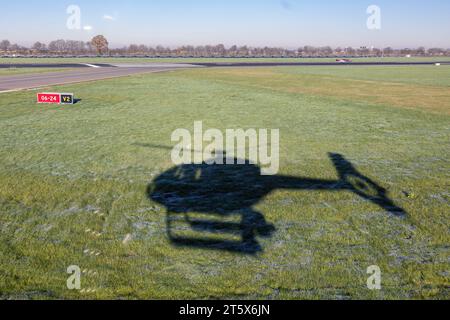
(49, 98)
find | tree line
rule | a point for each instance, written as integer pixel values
(99, 46)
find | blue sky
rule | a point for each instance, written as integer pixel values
(286, 23)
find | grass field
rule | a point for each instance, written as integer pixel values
(74, 184)
(205, 60)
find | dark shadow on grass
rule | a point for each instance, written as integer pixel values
(201, 199)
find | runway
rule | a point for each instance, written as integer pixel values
(215, 64)
(52, 65)
(89, 72)
(313, 64)
(79, 74)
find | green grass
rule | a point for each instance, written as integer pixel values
(68, 171)
(419, 75)
(198, 60)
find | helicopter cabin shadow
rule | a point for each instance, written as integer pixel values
(211, 206)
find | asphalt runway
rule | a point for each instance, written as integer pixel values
(52, 65)
(213, 64)
(312, 64)
(90, 72)
(80, 74)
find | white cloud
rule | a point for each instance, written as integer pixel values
(108, 17)
(87, 28)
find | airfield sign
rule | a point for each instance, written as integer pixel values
(55, 98)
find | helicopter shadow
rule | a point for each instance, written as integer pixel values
(211, 206)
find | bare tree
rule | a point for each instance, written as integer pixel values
(421, 51)
(326, 51)
(99, 44)
(4, 45)
(58, 46)
(405, 51)
(14, 48)
(38, 46)
(388, 51)
(133, 48)
(436, 51)
(220, 50)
